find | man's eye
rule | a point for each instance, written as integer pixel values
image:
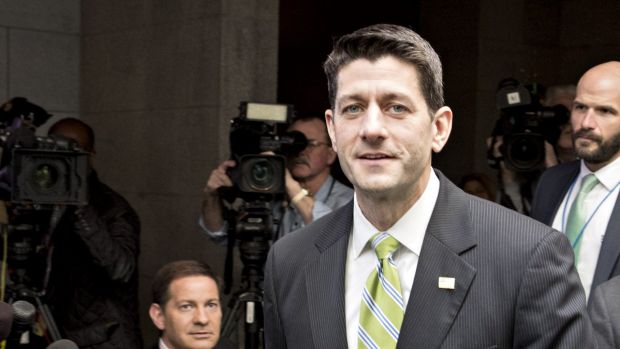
(185, 307)
(398, 108)
(607, 111)
(352, 109)
(579, 107)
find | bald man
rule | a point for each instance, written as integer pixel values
(595, 119)
(94, 280)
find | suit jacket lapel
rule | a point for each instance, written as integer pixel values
(556, 195)
(431, 310)
(610, 249)
(325, 282)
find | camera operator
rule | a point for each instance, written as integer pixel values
(526, 139)
(564, 95)
(312, 192)
(93, 287)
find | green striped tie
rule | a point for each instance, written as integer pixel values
(577, 214)
(382, 309)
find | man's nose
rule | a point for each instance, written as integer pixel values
(373, 124)
(201, 316)
(588, 120)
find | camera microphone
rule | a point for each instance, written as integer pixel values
(23, 316)
(63, 344)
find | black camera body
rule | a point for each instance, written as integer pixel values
(525, 126)
(262, 128)
(54, 171)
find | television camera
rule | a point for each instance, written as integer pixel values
(525, 125)
(258, 129)
(39, 177)
(260, 145)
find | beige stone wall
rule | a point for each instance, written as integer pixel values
(160, 82)
(39, 54)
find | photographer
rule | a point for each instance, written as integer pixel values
(93, 288)
(311, 191)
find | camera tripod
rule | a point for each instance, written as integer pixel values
(21, 286)
(249, 300)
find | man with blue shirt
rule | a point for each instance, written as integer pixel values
(311, 191)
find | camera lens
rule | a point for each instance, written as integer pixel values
(45, 176)
(262, 174)
(525, 152)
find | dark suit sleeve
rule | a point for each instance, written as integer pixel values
(274, 334)
(601, 319)
(551, 306)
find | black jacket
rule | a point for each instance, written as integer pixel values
(93, 288)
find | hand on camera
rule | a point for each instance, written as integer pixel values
(219, 178)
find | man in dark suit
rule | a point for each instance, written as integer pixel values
(595, 119)
(465, 272)
(604, 309)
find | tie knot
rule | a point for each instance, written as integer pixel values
(384, 245)
(588, 183)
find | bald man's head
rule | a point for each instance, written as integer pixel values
(595, 116)
(76, 130)
(605, 73)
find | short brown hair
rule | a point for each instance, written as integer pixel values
(176, 270)
(382, 40)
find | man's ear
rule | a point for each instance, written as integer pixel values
(329, 121)
(331, 156)
(157, 316)
(442, 125)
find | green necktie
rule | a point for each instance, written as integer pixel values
(382, 309)
(577, 214)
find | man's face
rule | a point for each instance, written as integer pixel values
(595, 117)
(382, 128)
(318, 155)
(191, 319)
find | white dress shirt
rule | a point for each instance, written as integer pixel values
(599, 204)
(409, 230)
(162, 345)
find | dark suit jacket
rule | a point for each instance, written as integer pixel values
(552, 187)
(515, 282)
(223, 343)
(604, 311)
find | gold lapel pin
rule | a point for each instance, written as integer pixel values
(446, 283)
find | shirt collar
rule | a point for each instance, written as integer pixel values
(162, 345)
(409, 230)
(608, 176)
(324, 190)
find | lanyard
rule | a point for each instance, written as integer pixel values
(564, 218)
